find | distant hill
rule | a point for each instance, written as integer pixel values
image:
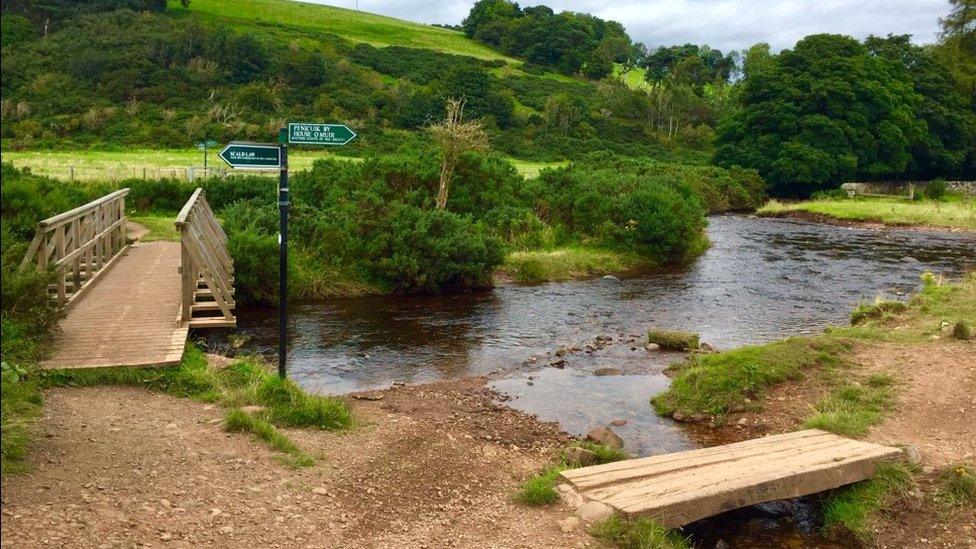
(355, 26)
(149, 74)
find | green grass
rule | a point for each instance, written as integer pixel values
(957, 486)
(877, 310)
(717, 383)
(601, 452)
(20, 402)
(355, 26)
(633, 79)
(161, 227)
(852, 408)
(674, 340)
(959, 214)
(540, 489)
(640, 533)
(568, 263)
(247, 382)
(530, 169)
(117, 165)
(855, 508)
(238, 420)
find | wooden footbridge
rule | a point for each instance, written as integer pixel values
(132, 303)
(680, 488)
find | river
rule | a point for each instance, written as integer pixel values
(762, 279)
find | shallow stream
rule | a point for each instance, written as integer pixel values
(540, 345)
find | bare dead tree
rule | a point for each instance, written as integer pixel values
(455, 136)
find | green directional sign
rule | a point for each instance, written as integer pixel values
(308, 133)
(207, 144)
(254, 156)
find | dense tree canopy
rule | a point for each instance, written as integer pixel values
(569, 42)
(833, 109)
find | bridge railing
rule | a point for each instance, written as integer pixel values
(206, 267)
(80, 244)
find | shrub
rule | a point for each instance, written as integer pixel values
(962, 331)
(936, 189)
(957, 485)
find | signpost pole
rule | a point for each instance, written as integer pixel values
(283, 254)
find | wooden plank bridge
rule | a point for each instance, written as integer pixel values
(132, 304)
(680, 488)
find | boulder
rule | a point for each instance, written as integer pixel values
(912, 454)
(605, 436)
(569, 524)
(576, 455)
(593, 511)
(618, 422)
(569, 496)
(607, 371)
(652, 347)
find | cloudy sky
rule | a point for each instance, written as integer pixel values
(723, 24)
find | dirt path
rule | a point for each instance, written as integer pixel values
(429, 466)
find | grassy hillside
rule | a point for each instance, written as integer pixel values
(355, 26)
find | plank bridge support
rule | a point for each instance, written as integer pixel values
(680, 488)
(79, 245)
(206, 268)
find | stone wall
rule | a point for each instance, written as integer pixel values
(902, 188)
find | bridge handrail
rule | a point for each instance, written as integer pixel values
(80, 243)
(204, 259)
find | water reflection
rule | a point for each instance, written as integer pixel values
(762, 279)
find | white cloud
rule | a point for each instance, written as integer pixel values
(723, 24)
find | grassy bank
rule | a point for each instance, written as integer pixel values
(568, 263)
(713, 385)
(953, 214)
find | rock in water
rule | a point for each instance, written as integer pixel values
(576, 455)
(609, 371)
(605, 436)
(618, 422)
(611, 277)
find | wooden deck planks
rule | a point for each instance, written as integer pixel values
(130, 317)
(683, 487)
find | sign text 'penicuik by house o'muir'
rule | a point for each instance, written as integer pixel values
(307, 133)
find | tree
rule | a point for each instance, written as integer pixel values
(958, 46)
(825, 112)
(455, 136)
(951, 126)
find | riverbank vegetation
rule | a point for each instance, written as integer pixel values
(710, 386)
(952, 213)
(372, 227)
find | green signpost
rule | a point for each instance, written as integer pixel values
(308, 133)
(242, 155)
(205, 146)
(252, 156)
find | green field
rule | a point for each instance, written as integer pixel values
(117, 165)
(633, 79)
(958, 213)
(356, 26)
